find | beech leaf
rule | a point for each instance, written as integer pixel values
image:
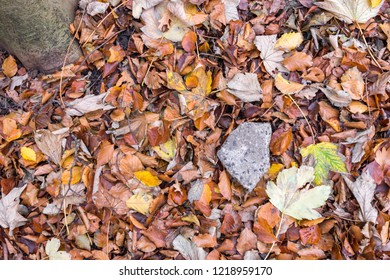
(290, 196)
(140, 203)
(363, 189)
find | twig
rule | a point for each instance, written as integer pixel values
(307, 121)
(277, 235)
(368, 47)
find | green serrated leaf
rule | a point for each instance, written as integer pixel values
(289, 196)
(326, 159)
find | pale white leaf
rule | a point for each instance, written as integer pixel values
(87, 104)
(272, 59)
(188, 249)
(195, 191)
(138, 5)
(288, 196)
(351, 10)
(9, 215)
(51, 250)
(96, 7)
(245, 86)
(338, 98)
(364, 189)
(231, 12)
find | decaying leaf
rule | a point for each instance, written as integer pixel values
(51, 250)
(290, 196)
(272, 58)
(350, 11)
(9, 215)
(326, 159)
(245, 86)
(73, 195)
(364, 189)
(188, 249)
(50, 144)
(87, 104)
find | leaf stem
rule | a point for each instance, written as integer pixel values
(368, 47)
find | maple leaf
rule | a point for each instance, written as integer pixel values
(51, 250)
(350, 11)
(363, 189)
(289, 196)
(326, 159)
(245, 86)
(272, 58)
(9, 215)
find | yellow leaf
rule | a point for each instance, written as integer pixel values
(28, 154)
(289, 41)
(287, 87)
(76, 175)
(375, 3)
(166, 150)
(191, 218)
(10, 67)
(140, 203)
(175, 81)
(274, 170)
(147, 178)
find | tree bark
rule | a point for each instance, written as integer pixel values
(37, 32)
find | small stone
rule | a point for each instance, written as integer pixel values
(245, 153)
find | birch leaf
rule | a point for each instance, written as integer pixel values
(326, 159)
(272, 59)
(363, 189)
(245, 86)
(289, 196)
(350, 11)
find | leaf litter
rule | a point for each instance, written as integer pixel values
(119, 159)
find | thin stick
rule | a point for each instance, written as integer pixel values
(307, 121)
(66, 57)
(368, 47)
(277, 235)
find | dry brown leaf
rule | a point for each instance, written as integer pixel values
(245, 86)
(50, 144)
(298, 61)
(286, 86)
(247, 241)
(281, 140)
(352, 82)
(224, 185)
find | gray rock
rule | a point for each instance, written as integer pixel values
(245, 153)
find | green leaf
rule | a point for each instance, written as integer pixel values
(326, 159)
(288, 196)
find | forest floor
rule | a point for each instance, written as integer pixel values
(115, 156)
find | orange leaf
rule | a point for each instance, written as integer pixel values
(281, 140)
(147, 178)
(298, 61)
(105, 153)
(76, 175)
(286, 86)
(10, 67)
(11, 130)
(310, 235)
(116, 54)
(189, 41)
(205, 198)
(224, 185)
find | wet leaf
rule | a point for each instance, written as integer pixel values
(290, 196)
(326, 159)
